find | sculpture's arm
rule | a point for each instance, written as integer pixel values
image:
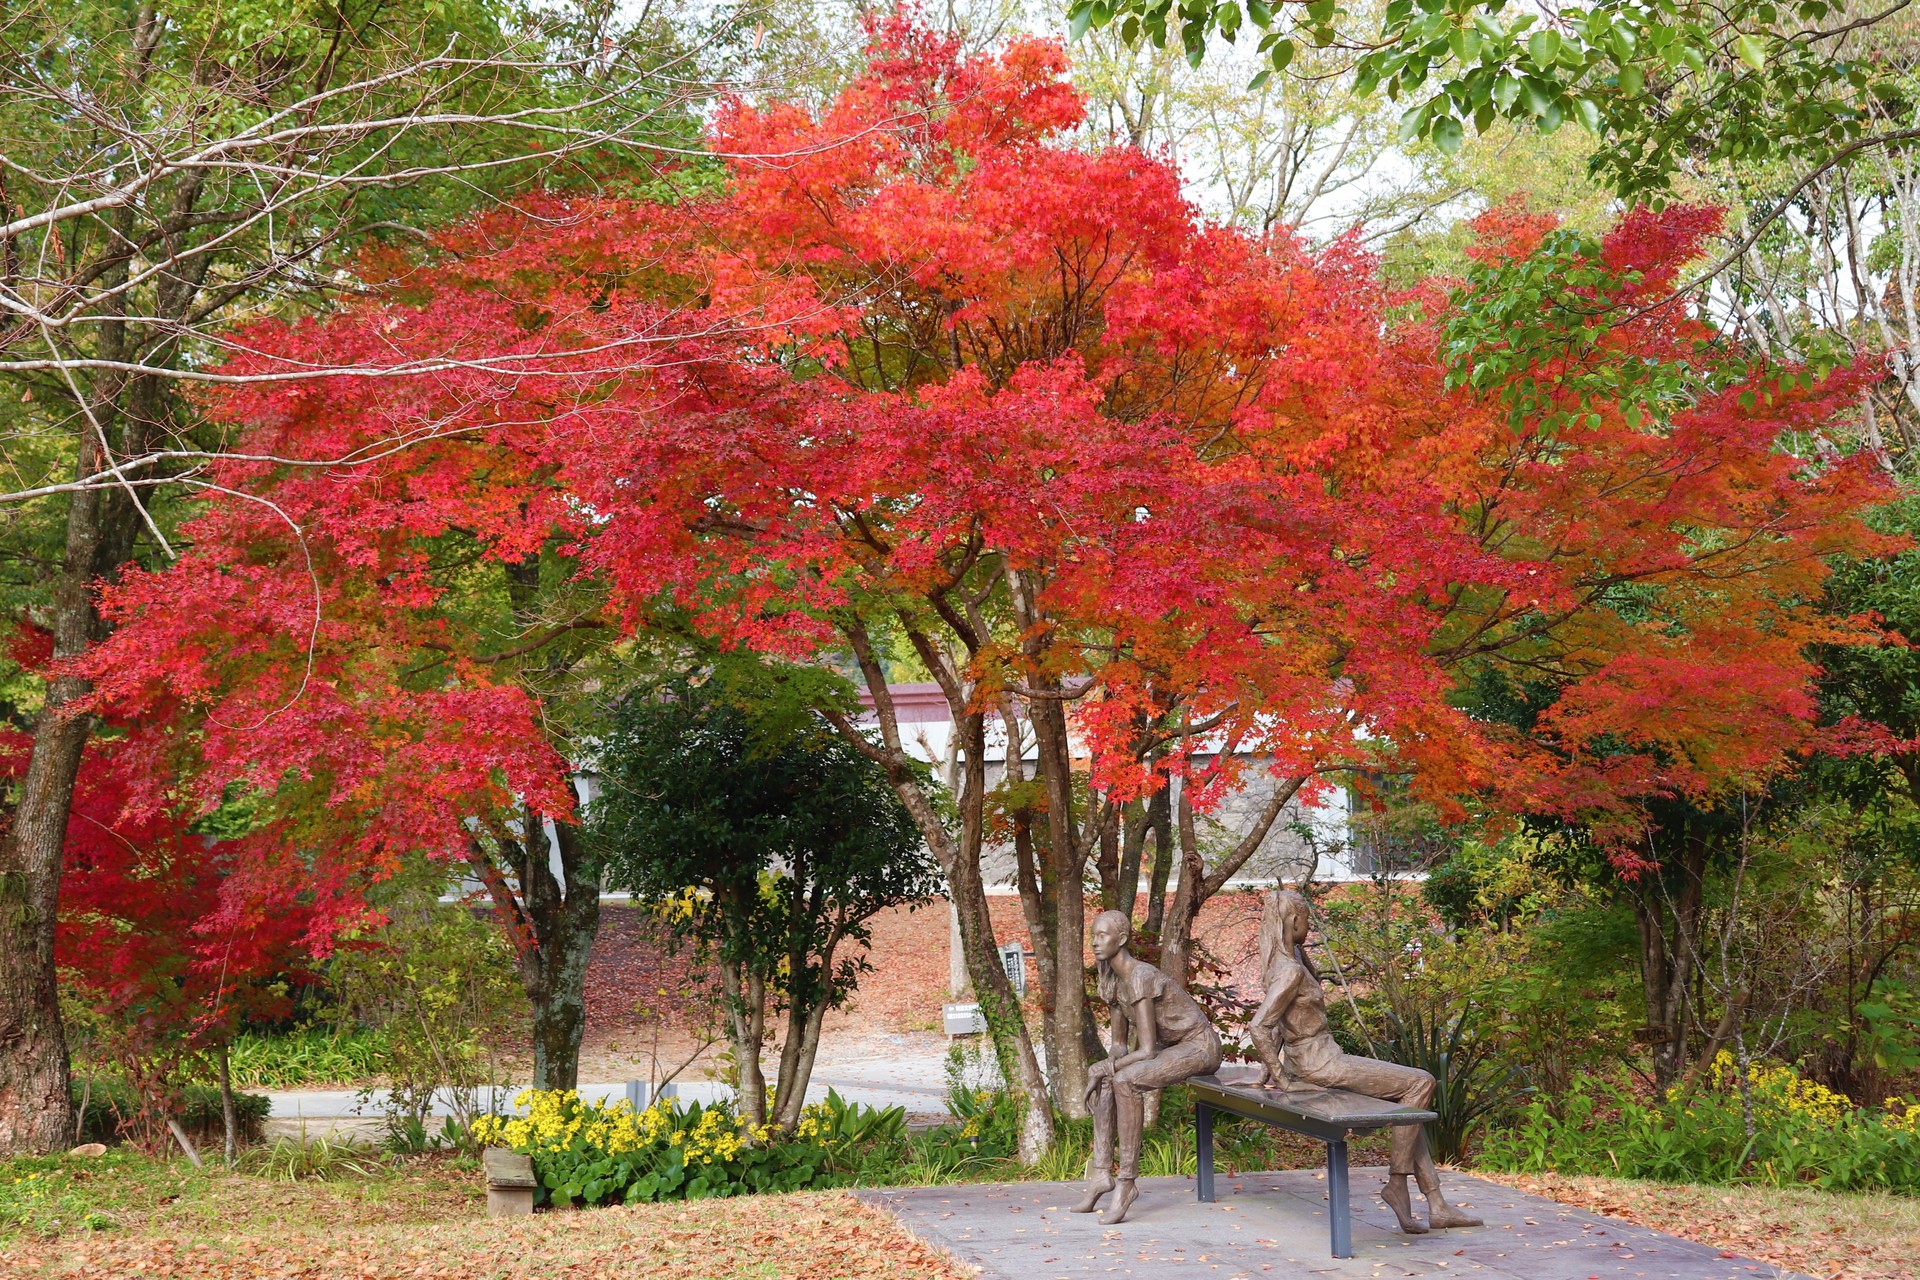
(1140, 1014)
(1117, 1029)
(1264, 1029)
(1280, 995)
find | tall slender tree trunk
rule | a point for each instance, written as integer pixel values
(36, 1109)
(1198, 884)
(1039, 900)
(1067, 857)
(565, 915)
(746, 1029)
(229, 1112)
(1160, 823)
(803, 1035)
(1668, 916)
(1133, 840)
(558, 916)
(959, 860)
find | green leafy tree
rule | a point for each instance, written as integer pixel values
(1664, 84)
(769, 842)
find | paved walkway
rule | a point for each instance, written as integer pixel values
(1275, 1224)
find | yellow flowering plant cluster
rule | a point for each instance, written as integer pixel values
(593, 1153)
(1778, 1089)
(1780, 1129)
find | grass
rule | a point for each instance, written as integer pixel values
(421, 1217)
(1834, 1236)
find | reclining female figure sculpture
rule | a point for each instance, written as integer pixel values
(1171, 1039)
(1293, 1018)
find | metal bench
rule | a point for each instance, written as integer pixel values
(1327, 1114)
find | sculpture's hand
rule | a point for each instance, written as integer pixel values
(1099, 1071)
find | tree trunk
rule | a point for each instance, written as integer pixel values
(1107, 864)
(229, 1114)
(792, 1097)
(1197, 884)
(566, 923)
(36, 1106)
(1133, 840)
(1669, 920)
(1067, 857)
(1160, 822)
(746, 995)
(959, 859)
(1176, 937)
(1033, 876)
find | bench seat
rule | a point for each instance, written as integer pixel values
(1330, 1115)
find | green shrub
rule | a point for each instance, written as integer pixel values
(1801, 1133)
(1470, 1083)
(309, 1056)
(109, 1100)
(437, 987)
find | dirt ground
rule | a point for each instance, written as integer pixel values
(646, 1007)
(1817, 1233)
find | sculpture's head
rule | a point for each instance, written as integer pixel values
(1112, 931)
(1285, 913)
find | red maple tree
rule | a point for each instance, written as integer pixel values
(927, 387)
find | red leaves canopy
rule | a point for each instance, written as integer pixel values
(922, 358)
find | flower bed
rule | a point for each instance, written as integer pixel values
(1800, 1133)
(588, 1154)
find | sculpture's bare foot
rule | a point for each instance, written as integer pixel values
(1395, 1194)
(1121, 1203)
(1441, 1215)
(1095, 1189)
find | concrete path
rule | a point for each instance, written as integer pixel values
(1275, 1224)
(876, 1071)
(331, 1103)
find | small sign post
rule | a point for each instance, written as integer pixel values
(1013, 958)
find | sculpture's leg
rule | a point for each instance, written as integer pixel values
(1408, 1085)
(1203, 1150)
(1339, 1212)
(1100, 1167)
(1129, 1113)
(1440, 1214)
(1398, 1200)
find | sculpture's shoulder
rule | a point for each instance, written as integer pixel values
(1149, 983)
(1144, 982)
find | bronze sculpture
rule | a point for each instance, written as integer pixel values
(1291, 1036)
(1171, 1040)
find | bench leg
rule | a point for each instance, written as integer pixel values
(1339, 1213)
(1203, 1150)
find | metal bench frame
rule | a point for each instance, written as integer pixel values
(1292, 1110)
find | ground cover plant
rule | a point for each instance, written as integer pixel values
(1773, 1128)
(307, 1056)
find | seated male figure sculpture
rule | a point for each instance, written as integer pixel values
(1171, 1040)
(1293, 1018)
